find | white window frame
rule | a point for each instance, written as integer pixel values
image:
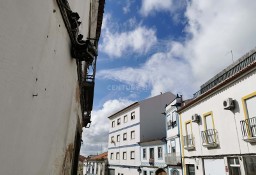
(132, 155)
(132, 135)
(124, 136)
(124, 155)
(118, 121)
(118, 138)
(125, 119)
(160, 152)
(117, 155)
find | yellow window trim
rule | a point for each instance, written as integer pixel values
(204, 118)
(244, 105)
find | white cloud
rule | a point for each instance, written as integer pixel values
(139, 40)
(214, 29)
(95, 138)
(162, 72)
(149, 6)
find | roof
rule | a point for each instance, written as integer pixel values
(100, 156)
(140, 102)
(242, 66)
(81, 158)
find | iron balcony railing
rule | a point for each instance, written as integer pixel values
(229, 73)
(172, 159)
(248, 127)
(209, 136)
(188, 141)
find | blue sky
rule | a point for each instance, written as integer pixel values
(151, 46)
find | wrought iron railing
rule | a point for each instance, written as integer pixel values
(209, 136)
(248, 127)
(172, 159)
(188, 141)
(229, 73)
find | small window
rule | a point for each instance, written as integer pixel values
(151, 173)
(160, 152)
(124, 155)
(145, 173)
(111, 156)
(125, 136)
(173, 146)
(132, 134)
(144, 153)
(117, 156)
(112, 140)
(125, 118)
(118, 138)
(118, 121)
(113, 124)
(132, 155)
(132, 115)
(174, 118)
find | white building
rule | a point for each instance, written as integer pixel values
(152, 157)
(43, 106)
(97, 165)
(173, 156)
(141, 121)
(218, 128)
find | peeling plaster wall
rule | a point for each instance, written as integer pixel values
(39, 108)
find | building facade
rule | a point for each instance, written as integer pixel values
(42, 104)
(152, 157)
(141, 121)
(218, 126)
(97, 165)
(173, 155)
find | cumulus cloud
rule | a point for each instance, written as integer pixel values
(162, 72)
(149, 6)
(138, 40)
(95, 138)
(213, 29)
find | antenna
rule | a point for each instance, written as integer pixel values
(232, 56)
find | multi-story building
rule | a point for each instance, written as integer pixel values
(218, 127)
(46, 91)
(97, 165)
(152, 157)
(173, 156)
(141, 121)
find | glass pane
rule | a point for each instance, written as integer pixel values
(234, 171)
(250, 105)
(208, 121)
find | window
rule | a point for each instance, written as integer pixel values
(112, 140)
(132, 115)
(144, 151)
(118, 121)
(151, 153)
(191, 169)
(132, 155)
(117, 156)
(111, 156)
(234, 165)
(151, 173)
(174, 118)
(160, 152)
(125, 136)
(113, 124)
(249, 103)
(124, 155)
(125, 118)
(173, 146)
(144, 172)
(132, 134)
(118, 138)
(208, 121)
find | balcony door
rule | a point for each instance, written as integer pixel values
(151, 153)
(188, 140)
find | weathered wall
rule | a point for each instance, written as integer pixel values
(39, 102)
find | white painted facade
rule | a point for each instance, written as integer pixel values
(227, 149)
(152, 156)
(173, 155)
(40, 123)
(144, 121)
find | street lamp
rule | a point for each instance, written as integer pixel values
(139, 170)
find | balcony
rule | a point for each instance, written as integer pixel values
(210, 138)
(151, 161)
(248, 127)
(189, 142)
(172, 159)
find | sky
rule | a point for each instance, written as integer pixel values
(153, 46)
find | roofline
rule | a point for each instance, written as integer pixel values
(122, 110)
(100, 18)
(219, 86)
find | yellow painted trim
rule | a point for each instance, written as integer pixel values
(182, 147)
(213, 125)
(245, 109)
